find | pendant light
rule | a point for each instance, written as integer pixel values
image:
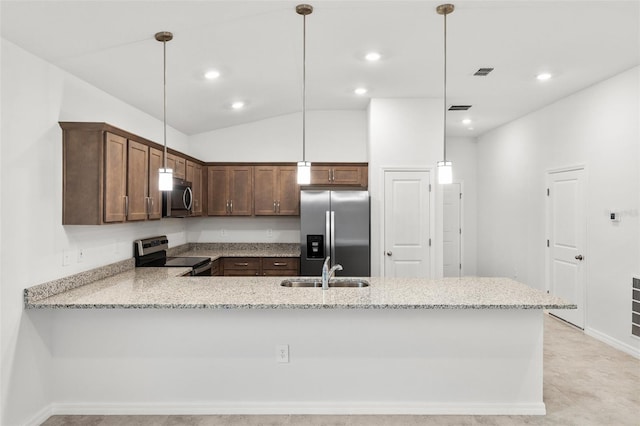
(445, 175)
(165, 175)
(304, 167)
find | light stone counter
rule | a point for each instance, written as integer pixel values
(164, 288)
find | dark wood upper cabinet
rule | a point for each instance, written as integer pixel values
(137, 181)
(276, 192)
(115, 180)
(230, 190)
(178, 164)
(339, 174)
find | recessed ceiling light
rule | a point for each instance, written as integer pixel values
(372, 56)
(466, 121)
(360, 91)
(212, 74)
(543, 76)
(237, 105)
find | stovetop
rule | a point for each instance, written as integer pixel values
(153, 252)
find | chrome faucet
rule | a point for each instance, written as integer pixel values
(328, 273)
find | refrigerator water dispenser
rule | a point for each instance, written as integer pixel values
(315, 246)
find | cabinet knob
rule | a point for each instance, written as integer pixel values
(389, 253)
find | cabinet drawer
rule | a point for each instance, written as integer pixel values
(216, 268)
(241, 272)
(280, 272)
(241, 263)
(280, 263)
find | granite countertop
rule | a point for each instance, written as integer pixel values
(165, 288)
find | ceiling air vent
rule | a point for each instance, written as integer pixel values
(483, 72)
(459, 107)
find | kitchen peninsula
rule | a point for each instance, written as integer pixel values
(468, 345)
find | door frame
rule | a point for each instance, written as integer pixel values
(432, 218)
(547, 230)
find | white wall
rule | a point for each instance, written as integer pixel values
(462, 152)
(330, 136)
(35, 96)
(598, 128)
(403, 133)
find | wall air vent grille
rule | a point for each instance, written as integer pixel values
(483, 72)
(459, 107)
(635, 303)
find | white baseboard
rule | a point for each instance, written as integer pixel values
(310, 408)
(40, 417)
(634, 352)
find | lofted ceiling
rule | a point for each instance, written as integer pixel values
(257, 47)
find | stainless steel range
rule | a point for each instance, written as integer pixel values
(150, 252)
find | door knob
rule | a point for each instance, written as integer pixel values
(389, 253)
(579, 257)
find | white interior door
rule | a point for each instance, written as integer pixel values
(566, 227)
(452, 230)
(406, 224)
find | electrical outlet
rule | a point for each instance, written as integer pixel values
(66, 258)
(270, 233)
(282, 353)
(223, 232)
(80, 255)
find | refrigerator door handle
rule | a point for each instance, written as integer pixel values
(327, 233)
(333, 237)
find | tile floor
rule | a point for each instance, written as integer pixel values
(586, 383)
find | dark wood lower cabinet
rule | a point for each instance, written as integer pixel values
(260, 266)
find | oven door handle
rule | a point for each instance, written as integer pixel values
(202, 268)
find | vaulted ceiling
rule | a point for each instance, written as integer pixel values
(257, 48)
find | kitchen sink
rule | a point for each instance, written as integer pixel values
(314, 282)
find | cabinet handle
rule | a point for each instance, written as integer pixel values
(231, 206)
(278, 207)
(280, 264)
(333, 175)
(147, 199)
(329, 175)
(227, 208)
(126, 206)
(274, 206)
(241, 264)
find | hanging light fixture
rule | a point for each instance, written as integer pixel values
(165, 177)
(445, 175)
(304, 167)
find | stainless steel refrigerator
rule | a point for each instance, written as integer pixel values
(336, 224)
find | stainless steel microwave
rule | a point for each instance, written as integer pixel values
(179, 201)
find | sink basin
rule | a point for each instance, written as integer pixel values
(313, 282)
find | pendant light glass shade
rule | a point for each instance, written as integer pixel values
(304, 167)
(445, 174)
(165, 179)
(304, 172)
(165, 175)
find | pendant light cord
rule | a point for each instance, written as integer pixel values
(304, 86)
(164, 99)
(445, 90)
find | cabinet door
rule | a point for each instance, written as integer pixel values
(194, 175)
(115, 177)
(137, 180)
(265, 193)
(178, 165)
(320, 175)
(288, 191)
(346, 175)
(155, 196)
(217, 191)
(241, 190)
